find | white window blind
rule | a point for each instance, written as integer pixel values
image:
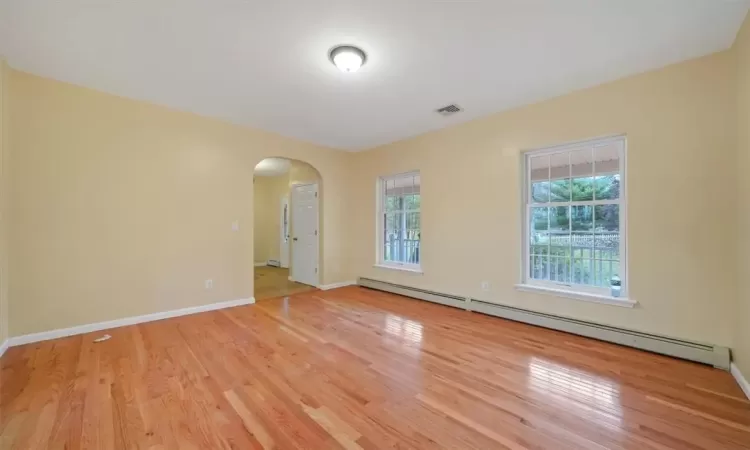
(575, 217)
(399, 220)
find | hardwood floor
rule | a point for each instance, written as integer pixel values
(272, 282)
(358, 369)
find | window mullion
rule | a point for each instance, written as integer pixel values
(403, 230)
(577, 203)
(570, 220)
(549, 225)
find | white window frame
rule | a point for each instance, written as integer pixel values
(577, 291)
(379, 226)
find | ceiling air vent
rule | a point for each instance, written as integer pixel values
(449, 110)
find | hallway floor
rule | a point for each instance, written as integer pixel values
(271, 282)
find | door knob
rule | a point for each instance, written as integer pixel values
(295, 239)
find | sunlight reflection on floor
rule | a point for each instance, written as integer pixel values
(408, 331)
(576, 388)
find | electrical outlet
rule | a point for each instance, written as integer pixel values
(209, 284)
(236, 225)
(485, 286)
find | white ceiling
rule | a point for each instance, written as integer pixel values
(271, 167)
(264, 63)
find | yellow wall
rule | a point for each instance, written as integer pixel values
(681, 197)
(121, 208)
(741, 350)
(300, 173)
(4, 185)
(268, 194)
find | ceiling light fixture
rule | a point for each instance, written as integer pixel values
(347, 58)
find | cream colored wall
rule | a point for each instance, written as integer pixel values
(268, 194)
(121, 208)
(681, 197)
(4, 185)
(261, 219)
(301, 173)
(741, 349)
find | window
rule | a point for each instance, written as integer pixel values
(575, 218)
(399, 221)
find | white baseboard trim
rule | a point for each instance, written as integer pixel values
(741, 380)
(81, 329)
(261, 264)
(4, 346)
(326, 287)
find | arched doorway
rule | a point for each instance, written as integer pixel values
(287, 231)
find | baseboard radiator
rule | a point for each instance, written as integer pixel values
(274, 263)
(714, 355)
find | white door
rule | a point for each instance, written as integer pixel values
(284, 233)
(305, 234)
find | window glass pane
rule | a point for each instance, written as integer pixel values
(560, 247)
(582, 218)
(582, 173)
(540, 249)
(412, 201)
(411, 247)
(539, 182)
(581, 272)
(559, 251)
(607, 158)
(559, 219)
(560, 190)
(408, 200)
(607, 245)
(538, 267)
(394, 221)
(604, 270)
(412, 221)
(540, 192)
(539, 219)
(539, 238)
(607, 187)
(389, 242)
(582, 163)
(394, 243)
(582, 189)
(559, 177)
(607, 170)
(606, 218)
(402, 246)
(559, 269)
(559, 165)
(584, 243)
(603, 251)
(393, 203)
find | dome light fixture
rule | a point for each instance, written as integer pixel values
(347, 58)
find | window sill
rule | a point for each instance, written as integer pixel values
(401, 268)
(584, 296)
